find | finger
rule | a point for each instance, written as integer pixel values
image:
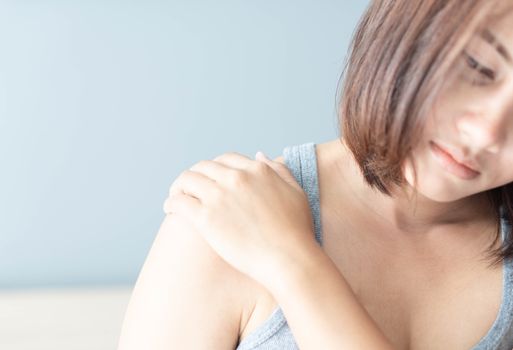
(223, 167)
(261, 156)
(277, 166)
(235, 160)
(214, 170)
(218, 168)
(281, 169)
(193, 183)
(182, 204)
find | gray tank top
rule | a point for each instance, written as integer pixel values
(275, 334)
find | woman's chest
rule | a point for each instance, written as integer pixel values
(419, 304)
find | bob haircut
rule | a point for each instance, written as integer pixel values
(401, 53)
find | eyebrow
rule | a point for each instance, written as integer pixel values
(489, 37)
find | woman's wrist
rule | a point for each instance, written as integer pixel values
(320, 306)
(294, 266)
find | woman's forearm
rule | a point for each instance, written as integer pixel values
(320, 307)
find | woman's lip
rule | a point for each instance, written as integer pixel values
(450, 164)
(468, 165)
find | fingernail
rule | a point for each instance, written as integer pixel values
(260, 155)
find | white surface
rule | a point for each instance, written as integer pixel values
(58, 319)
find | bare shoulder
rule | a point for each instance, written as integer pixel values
(186, 295)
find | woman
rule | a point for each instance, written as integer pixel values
(415, 201)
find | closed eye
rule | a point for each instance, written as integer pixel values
(475, 65)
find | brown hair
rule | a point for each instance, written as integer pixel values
(400, 55)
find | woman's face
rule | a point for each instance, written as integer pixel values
(473, 120)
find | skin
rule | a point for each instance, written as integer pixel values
(474, 115)
(257, 218)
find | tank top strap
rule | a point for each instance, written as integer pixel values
(505, 224)
(507, 235)
(302, 162)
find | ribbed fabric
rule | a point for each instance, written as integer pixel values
(275, 334)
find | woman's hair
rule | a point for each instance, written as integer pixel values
(401, 54)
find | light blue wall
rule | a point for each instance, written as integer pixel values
(104, 103)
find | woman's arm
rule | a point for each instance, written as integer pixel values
(257, 218)
(186, 296)
(320, 307)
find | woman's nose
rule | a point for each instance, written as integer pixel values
(483, 133)
(485, 127)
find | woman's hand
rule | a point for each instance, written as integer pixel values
(257, 218)
(251, 212)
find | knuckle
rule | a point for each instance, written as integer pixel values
(229, 154)
(219, 157)
(187, 175)
(201, 164)
(174, 185)
(180, 176)
(261, 167)
(178, 180)
(233, 153)
(238, 177)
